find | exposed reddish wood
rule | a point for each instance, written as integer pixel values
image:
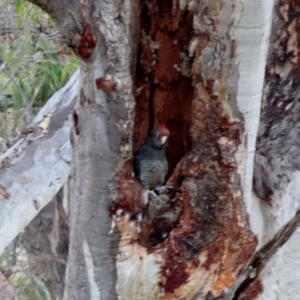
(225, 281)
(131, 192)
(166, 92)
(106, 85)
(87, 42)
(207, 225)
(253, 292)
(175, 273)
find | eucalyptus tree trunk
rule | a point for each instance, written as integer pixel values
(223, 76)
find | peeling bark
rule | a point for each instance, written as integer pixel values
(35, 168)
(249, 281)
(277, 150)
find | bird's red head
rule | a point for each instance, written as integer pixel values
(158, 136)
(163, 130)
(161, 135)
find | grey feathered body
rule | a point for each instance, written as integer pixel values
(150, 166)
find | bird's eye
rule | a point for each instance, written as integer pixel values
(156, 134)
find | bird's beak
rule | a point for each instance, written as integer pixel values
(163, 139)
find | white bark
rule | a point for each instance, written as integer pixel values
(101, 144)
(94, 290)
(38, 164)
(281, 276)
(251, 33)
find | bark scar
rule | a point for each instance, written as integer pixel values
(4, 195)
(107, 85)
(87, 43)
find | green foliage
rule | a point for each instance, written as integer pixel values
(26, 285)
(33, 64)
(30, 288)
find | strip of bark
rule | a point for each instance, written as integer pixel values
(261, 257)
(38, 164)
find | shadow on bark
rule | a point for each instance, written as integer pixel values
(46, 240)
